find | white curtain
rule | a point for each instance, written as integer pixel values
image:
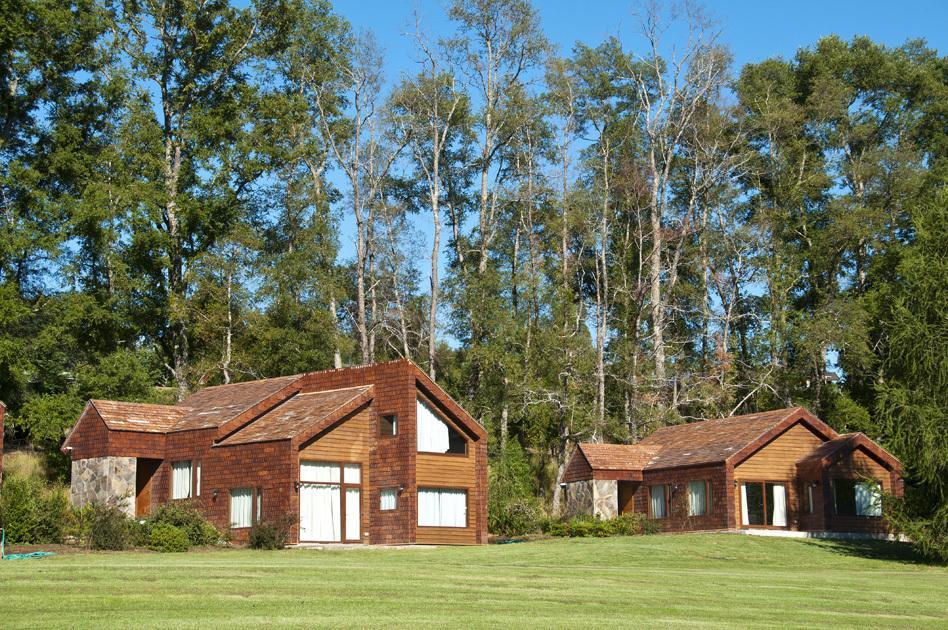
(868, 499)
(323, 472)
(780, 505)
(432, 431)
(241, 506)
(197, 480)
(352, 473)
(387, 499)
(442, 508)
(744, 518)
(657, 496)
(319, 513)
(697, 498)
(353, 523)
(181, 480)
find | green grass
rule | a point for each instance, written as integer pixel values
(695, 580)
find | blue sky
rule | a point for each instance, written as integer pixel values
(754, 30)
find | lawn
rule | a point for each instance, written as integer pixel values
(695, 580)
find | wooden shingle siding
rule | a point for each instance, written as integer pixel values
(677, 480)
(578, 469)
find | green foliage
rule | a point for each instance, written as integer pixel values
(108, 527)
(187, 518)
(928, 535)
(168, 538)
(270, 534)
(33, 511)
(632, 524)
(512, 508)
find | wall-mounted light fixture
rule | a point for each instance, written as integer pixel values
(401, 489)
(214, 495)
(296, 486)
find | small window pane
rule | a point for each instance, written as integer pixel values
(388, 498)
(752, 502)
(352, 473)
(259, 504)
(697, 498)
(320, 472)
(657, 496)
(389, 426)
(844, 491)
(241, 505)
(181, 480)
(868, 499)
(197, 480)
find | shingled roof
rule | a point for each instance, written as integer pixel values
(713, 441)
(212, 406)
(827, 452)
(304, 412)
(617, 456)
(127, 416)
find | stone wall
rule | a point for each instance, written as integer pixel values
(578, 498)
(103, 480)
(605, 498)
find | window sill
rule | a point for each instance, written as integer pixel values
(443, 454)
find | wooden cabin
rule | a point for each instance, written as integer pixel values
(376, 454)
(781, 470)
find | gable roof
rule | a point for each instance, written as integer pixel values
(212, 406)
(147, 418)
(617, 456)
(830, 451)
(725, 439)
(301, 414)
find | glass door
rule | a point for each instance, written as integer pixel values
(764, 504)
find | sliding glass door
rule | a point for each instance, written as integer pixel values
(330, 502)
(763, 504)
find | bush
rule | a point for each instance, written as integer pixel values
(512, 508)
(929, 535)
(189, 519)
(109, 527)
(593, 527)
(168, 538)
(269, 535)
(33, 511)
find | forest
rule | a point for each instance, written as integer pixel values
(579, 245)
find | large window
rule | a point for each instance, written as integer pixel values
(437, 436)
(181, 480)
(764, 503)
(857, 498)
(699, 494)
(330, 501)
(441, 507)
(658, 501)
(241, 507)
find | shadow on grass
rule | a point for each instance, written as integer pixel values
(890, 551)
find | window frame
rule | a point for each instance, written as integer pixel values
(436, 488)
(708, 505)
(764, 483)
(394, 492)
(421, 398)
(230, 506)
(190, 495)
(855, 483)
(667, 501)
(343, 486)
(384, 421)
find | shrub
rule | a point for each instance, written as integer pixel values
(186, 517)
(929, 535)
(108, 528)
(269, 535)
(33, 511)
(168, 538)
(512, 508)
(588, 526)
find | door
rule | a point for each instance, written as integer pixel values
(144, 474)
(763, 504)
(319, 513)
(627, 491)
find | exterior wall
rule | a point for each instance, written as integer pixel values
(348, 442)
(579, 498)
(718, 517)
(605, 498)
(104, 480)
(578, 469)
(859, 466)
(449, 471)
(777, 462)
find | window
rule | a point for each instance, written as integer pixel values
(437, 436)
(319, 472)
(439, 507)
(658, 501)
(388, 499)
(764, 503)
(259, 504)
(855, 498)
(181, 480)
(388, 426)
(809, 498)
(197, 479)
(698, 495)
(351, 473)
(241, 507)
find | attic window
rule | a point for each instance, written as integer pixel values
(388, 425)
(435, 435)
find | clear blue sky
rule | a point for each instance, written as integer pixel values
(753, 29)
